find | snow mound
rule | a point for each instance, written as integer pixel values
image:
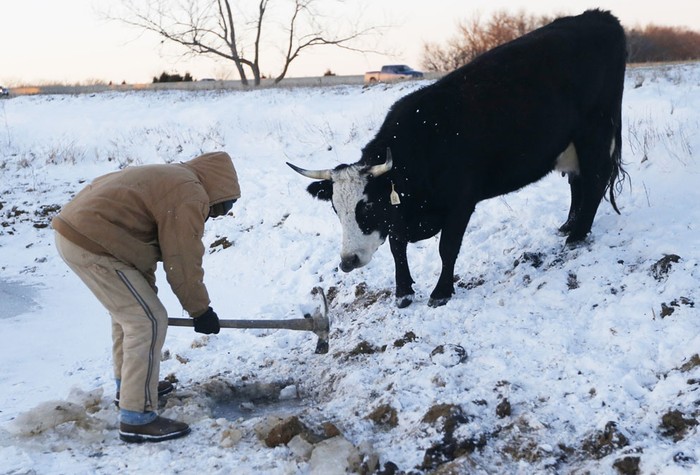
(77, 408)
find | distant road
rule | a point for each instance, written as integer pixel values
(236, 84)
(197, 85)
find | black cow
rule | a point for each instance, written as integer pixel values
(549, 100)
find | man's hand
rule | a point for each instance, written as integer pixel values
(207, 323)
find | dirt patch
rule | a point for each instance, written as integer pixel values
(627, 465)
(660, 269)
(472, 283)
(449, 414)
(366, 298)
(535, 259)
(409, 337)
(40, 218)
(605, 442)
(668, 309)
(384, 416)
(223, 242)
(572, 281)
(691, 364)
(448, 418)
(44, 215)
(331, 294)
(285, 431)
(503, 409)
(675, 425)
(364, 348)
(448, 355)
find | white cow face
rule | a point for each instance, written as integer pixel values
(363, 218)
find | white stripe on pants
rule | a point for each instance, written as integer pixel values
(139, 321)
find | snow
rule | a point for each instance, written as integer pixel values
(558, 360)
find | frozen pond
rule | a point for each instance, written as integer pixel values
(16, 298)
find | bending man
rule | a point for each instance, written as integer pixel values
(113, 234)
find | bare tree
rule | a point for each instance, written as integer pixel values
(662, 43)
(475, 36)
(224, 29)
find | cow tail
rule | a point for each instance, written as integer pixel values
(618, 174)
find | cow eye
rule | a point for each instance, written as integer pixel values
(363, 213)
(363, 208)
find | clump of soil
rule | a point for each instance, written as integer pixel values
(281, 431)
(668, 309)
(367, 298)
(535, 259)
(448, 355)
(660, 269)
(450, 447)
(683, 459)
(523, 449)
(45, 214)
(674, 425)
(627, 465)
(451, 416)
(692, 363)
(409, 337)
(572, 281)
(285, 431)
(331, 294)
(364, 348)
(605, 442)
(223, 242)
(42, 216)
(503, 409)
(473, 283)
(384, 416)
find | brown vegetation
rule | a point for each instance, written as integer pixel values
(661, 43)
(476, 36)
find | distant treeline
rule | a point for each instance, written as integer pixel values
(662, 43)
(165, 77)
(476, 36)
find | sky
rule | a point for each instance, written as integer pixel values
(70, 42)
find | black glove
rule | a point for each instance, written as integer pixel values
(207, 323)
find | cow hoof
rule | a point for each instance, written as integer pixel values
(437, 302)
(566, 228)
(572, 242)
(405, 301)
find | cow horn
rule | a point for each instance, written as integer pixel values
(314, 174)
(377, 170)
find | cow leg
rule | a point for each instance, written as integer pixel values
(450, 243)
(404, 288)
(575, 208)
(596, 167)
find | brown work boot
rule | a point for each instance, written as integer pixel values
(164, 387)
(157, 430)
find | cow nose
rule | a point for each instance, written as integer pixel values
(349, 263)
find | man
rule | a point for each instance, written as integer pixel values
(113, 234)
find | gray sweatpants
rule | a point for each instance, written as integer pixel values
(139, 321)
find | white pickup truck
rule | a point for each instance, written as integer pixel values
(392, 72)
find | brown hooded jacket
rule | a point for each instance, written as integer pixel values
(145, 214)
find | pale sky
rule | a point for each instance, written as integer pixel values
(67, 42)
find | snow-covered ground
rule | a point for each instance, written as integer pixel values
(577, 360)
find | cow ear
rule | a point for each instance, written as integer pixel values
(322, 190)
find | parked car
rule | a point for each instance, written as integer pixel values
(4, 92)
(392, 72)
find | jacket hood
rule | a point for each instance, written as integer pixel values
(218, 176)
